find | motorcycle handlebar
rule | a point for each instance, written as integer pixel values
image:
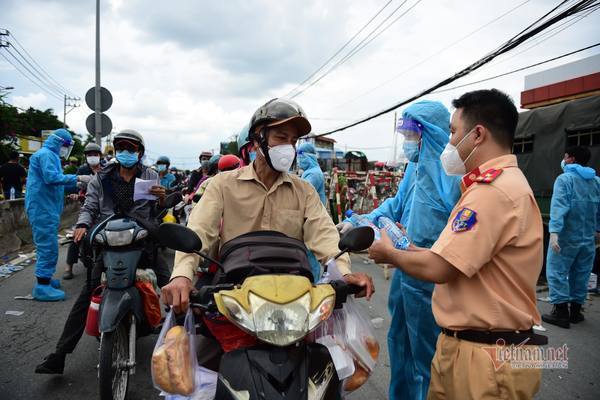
(354, 289)
(203, 297)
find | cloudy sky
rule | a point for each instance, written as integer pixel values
(189, 74)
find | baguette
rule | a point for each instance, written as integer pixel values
(160, 371)
(181, 376)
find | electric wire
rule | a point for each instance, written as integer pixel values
(340, 49)
(532, 30)
(56, 83)
(432, 55)
(362, 44)
(51, 89)
(31, 80)
(516, 70)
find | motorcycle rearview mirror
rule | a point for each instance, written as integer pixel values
(356, 239)
(172, 200)
(181, 238)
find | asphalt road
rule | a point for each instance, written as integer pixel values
(26, 339)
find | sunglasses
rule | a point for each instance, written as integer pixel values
(127, 146)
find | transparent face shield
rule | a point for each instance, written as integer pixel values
(66, 147)
(409, 128)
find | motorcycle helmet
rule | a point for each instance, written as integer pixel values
(205, 155)
(131, 136)
(92, 148)
(163, 160)
(276, 112)
(244, 145)
(213, 164)
(229, 162)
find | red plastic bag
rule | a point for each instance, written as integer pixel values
(91, 321)
(151, 302)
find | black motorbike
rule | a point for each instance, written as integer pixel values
(264, 286)
(122, 244)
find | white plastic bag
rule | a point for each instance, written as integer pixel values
(332, 273)
(206, 386)
(361, 343)
(331, 335)
(174, 360)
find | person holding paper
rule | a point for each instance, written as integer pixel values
(110, 191)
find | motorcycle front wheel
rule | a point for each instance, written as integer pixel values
(113, 372)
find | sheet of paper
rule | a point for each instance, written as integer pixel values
(142, 189)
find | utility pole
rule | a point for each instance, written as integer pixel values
(71, 106)
(98, 111)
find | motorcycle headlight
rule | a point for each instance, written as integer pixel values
(237, 313)
(321, 313)
(119, 238)
(279, 324)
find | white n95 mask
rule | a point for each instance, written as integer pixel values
(451, 161)
(282, 157)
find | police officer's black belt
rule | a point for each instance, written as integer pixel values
(527, 337)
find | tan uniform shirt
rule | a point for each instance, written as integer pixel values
(494, 237)
(244, 204)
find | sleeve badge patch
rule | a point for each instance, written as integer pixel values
(464, 220)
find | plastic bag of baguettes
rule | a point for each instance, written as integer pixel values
(360, 342)
(174, 357)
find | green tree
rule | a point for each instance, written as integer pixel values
(30, 122)
(229, 148)
(9, 126)
(35, 121)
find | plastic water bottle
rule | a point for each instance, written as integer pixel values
(361, 220)
(12, 193)
(400, 240)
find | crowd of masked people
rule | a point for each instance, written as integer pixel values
(467, 281)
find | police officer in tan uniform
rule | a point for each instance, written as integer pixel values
(486, 261)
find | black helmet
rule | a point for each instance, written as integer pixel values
(277, 112)
(92, 148)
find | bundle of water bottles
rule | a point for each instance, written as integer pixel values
(399, 239)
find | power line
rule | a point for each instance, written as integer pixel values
(382, 31)
(435, 54)
(340, 49)
(551, 33)
(39, 74)
(64, 89)
(517, 70)
(31, 80)
(529, 32)
(358, 47)
(49, 88)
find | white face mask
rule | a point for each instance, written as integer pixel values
(282, 157)
(93, 160)
(451, 161)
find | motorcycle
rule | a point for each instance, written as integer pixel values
(120, 244)
(263, 289)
